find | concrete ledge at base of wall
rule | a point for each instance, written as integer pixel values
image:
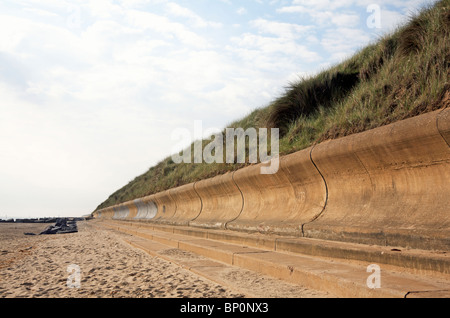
(420, 239)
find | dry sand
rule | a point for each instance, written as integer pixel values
(37, 267)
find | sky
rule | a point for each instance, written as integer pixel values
(92, 91)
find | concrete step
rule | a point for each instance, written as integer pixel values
(420, 262)
(247, 283)
(204, 267)
(336, 276)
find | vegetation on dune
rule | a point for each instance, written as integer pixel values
(403, 74)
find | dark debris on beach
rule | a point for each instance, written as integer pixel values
(61, 226)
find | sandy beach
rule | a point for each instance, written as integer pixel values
(45, 266)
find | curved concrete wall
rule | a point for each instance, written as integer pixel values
(281, 202)
(106, 213)
(387, 186)
(139, 209)
(188, 204)
(116, 214)
(121, 212)
(443, 124)
(166, 207)
(146, 208)
(132, 207)
(221, 201)
(110, 213)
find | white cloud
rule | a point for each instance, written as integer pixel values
(163, 26)
(270, 45)
(392, 19)
(345, 20)
(341, 26)
(40, 12)
(343, 42)
(326, 17)
(280, 29)
(276, 46)
(195, 20)
(241, 11)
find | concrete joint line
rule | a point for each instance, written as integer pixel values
(437, 125)
(201, 204)
(251, 252)
(367, 171)
(243, 202)
(203, 266)
(326, 192)
(174, 201)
